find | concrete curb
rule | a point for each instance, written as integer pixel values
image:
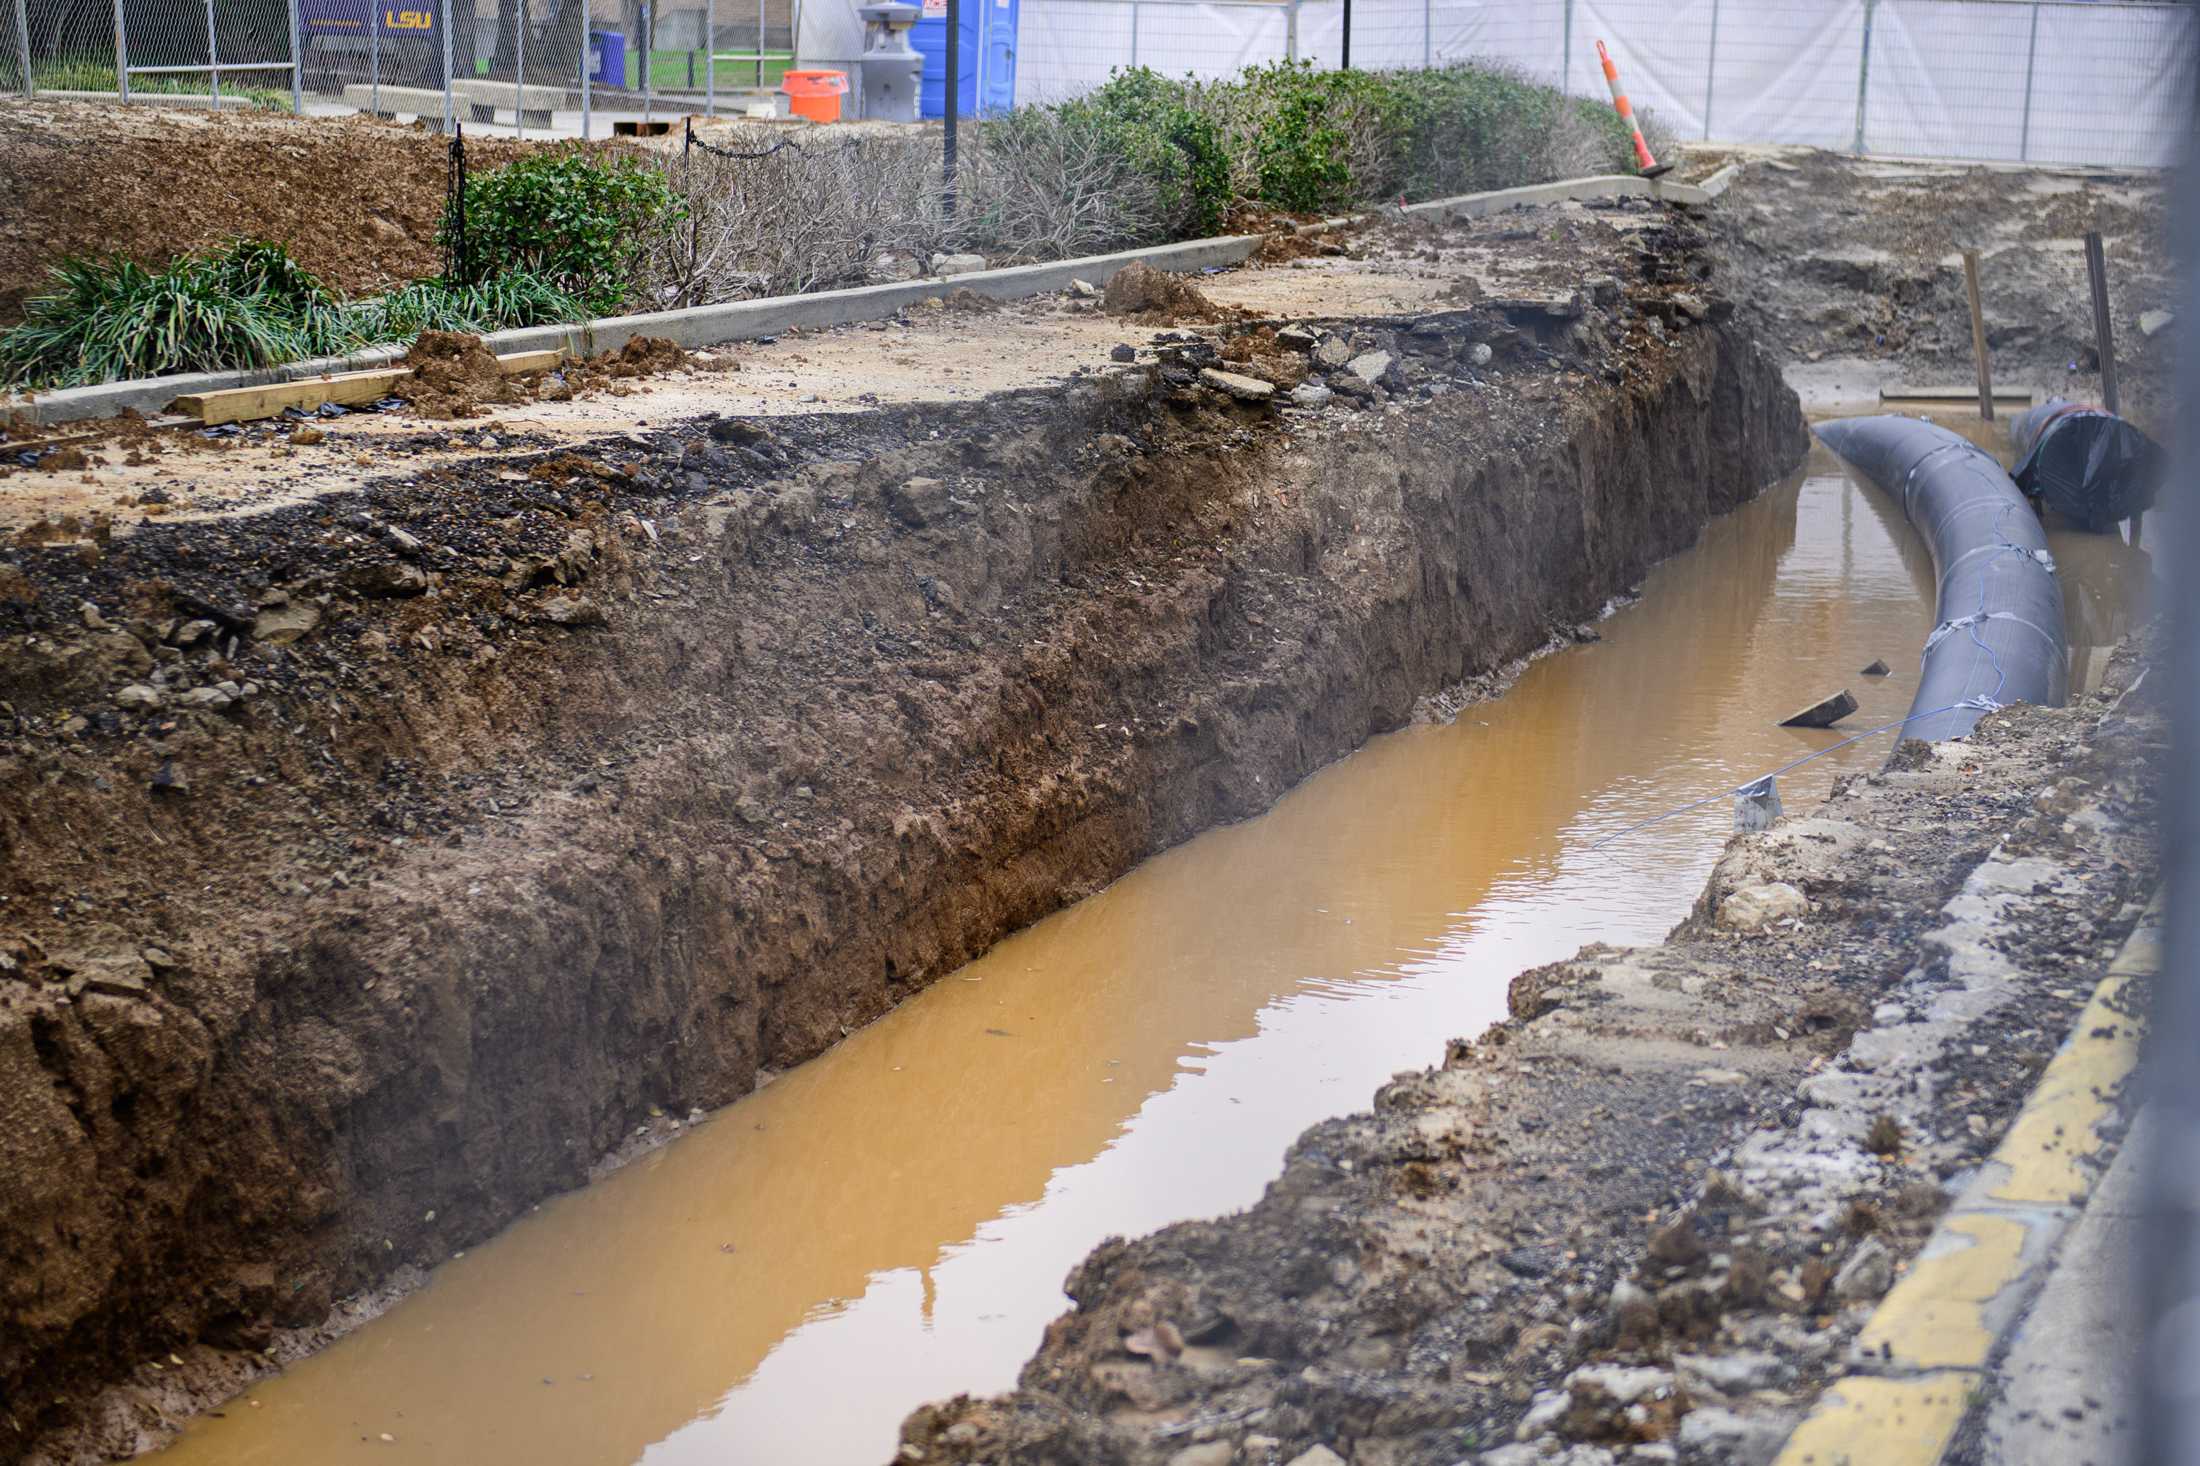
(1921, 1361)
(746, 320)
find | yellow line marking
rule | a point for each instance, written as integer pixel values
(1863, 1421)
(1935, 1317)
(2058, 1128)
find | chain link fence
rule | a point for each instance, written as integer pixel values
(571, 68)
(2050, 81)
(2045, 81)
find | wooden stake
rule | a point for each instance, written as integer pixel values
(1978, 336)
(2104, 334)
(2104, 342)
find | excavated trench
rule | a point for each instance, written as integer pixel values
(761, 737)
(890, 1223)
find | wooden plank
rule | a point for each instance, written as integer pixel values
(1978, 336)
(244, 404)
(1952, 394)
(518, 362)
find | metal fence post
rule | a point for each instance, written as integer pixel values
(1710, 70)
(122, 56)
(23, 44)
(760, 45)
(519, 74)
(586, 76)
(1566, 53)
(1291, 32)
(297, 64)
(1428, 34)
(213, 56)
(1864, 75)
(374, 55)
(710, 57)
(449, 7)
(1134, 33)
(649, 47)
(2031, 53)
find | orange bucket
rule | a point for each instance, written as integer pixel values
(814, 94)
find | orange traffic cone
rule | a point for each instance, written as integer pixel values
(1650, 166)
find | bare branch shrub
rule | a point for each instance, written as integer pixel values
(767, 219)
(1041, 185)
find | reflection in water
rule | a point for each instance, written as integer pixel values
(891, 1222)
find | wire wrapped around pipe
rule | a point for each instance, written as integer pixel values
(1999, 635)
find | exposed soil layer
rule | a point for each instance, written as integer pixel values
(1850, 270)
(1641, 1219)
(354, 199)
(479, 815)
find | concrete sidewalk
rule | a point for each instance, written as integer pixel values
(2060, 1395)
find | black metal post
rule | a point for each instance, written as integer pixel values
(953, 100)
(1346, 63)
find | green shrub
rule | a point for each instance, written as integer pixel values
(1318, 141)
(579, 221)
(244, 304)
(496, 304)
(1312, 141)
(1150, 122)
(1468, 128)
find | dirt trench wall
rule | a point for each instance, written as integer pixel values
(834, 719)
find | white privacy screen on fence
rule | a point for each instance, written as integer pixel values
(2057, 81)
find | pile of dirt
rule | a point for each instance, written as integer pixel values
(642, 356)
(1155, 296)
(1850, 270)
(453, 374)
(1289, 245)
(354, 199)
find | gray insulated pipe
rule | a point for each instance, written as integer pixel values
(2000, 637)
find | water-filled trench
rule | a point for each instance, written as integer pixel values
(891, 1222)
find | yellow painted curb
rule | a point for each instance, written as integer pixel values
(1866, 1421)
(2059, 1125)
(1933, 1328)
(1935, 1318)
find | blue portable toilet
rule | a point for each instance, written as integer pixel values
(988, 80)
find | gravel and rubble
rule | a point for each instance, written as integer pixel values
(1642, 1219)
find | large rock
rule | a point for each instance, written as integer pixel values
(1867, 1274)
(1372, 368)
(918, 502)
(958, 264)
(1724, 1438)
(1238, 385)
(1752, 908)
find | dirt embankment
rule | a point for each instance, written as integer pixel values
(482, 814)
(1641, 1220)
(1850, 270)
(355, 200)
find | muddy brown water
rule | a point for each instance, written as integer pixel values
(891, 1222)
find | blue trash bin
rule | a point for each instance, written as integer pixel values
(607, 58)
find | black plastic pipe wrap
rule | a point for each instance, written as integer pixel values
(2085, 463)
(2000, 638)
